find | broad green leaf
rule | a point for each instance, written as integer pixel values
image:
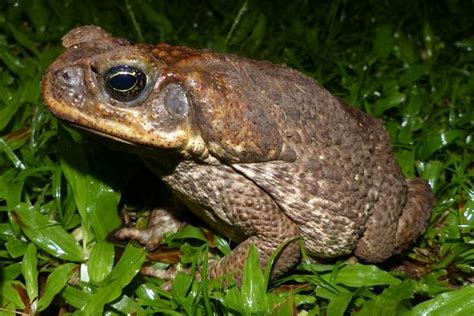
(188, 253)
(332, 293)
(436, 141)
(11, 293)
(8, 111)
(127, 305)
(455, 303)
(222, 244)
(405, 50)
(39, 14)
(55, 283)
(432, 171)
(258, 32)
(357, 275)
(128, 266)
(15, 64)
(389, 301)
(30, 272)
(16, 187)
(49, 236)
(75, 297)
(157, 19)
(466, 219)
(234, 301)
(204, 285)
(406, 159)
(16, 248)
(433, 283)
(383, 42)
(338, 304)
(6, 181)
(23, 39)
(287, 307)
(10, 272)
(254, 291)
(186, 232)
(315, 267)
(393, 99)
(305, 299)
(31, 90)
(96, 201)
(152, 292)
(181, 285)
(414, 73)
(100, 261)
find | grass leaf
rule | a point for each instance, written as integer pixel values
(55, 283)
(100, 261)
(253, 285)
(50, 237)
(30, 272)
(122, 274)
(357, 275)
(96, 201)
(388, 303)
(453, 303)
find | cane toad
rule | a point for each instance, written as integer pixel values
(259, 151)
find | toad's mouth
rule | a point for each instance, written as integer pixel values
(100, 133)
(121, 145)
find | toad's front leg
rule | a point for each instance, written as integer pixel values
(235, 207)
(265, 226)
(161, 221)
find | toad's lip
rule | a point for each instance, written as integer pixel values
(101, 134)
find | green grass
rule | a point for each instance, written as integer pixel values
(407, 62)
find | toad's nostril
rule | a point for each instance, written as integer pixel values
(71, 76)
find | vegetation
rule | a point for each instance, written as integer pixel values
(410, 63)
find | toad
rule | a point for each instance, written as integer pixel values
(260, 152)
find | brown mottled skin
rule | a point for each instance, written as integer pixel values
(261, 152)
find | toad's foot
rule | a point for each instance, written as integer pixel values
(161, 221)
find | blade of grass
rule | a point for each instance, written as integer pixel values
(96, 201)
(11, 155)
(100, 261)
(357, 275)
(122, 274)
(48, 236)
(56, 281)
(453, 303)
(30, 272)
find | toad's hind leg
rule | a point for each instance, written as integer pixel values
(400, 215)
(234, 206)
(415, 214)
(266, 228)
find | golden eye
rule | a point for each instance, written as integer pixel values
(124, 83)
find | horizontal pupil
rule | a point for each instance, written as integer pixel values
(123, 81)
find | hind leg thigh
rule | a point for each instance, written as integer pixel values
(415, 214)
(379, 238)
(399, 217)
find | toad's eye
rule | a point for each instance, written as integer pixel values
(124, 83)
